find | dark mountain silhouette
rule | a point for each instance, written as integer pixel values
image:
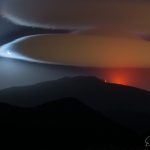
(77, 113)
(69, 123)
(82, 87)
(126, 105)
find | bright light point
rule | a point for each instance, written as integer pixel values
(9, 53)
(9, 50)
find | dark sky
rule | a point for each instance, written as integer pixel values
(10, 31)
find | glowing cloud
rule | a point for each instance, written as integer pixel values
(82, 50)
(9, 51)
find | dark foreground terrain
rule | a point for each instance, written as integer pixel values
(66, 123)
(74, 121)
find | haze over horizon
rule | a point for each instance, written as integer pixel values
(21, 73)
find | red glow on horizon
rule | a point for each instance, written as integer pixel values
(119, 80)
(135, 77)
(120, 77)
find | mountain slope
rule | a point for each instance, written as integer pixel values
(114, 101)
(67, 121)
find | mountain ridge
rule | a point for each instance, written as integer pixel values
(105, 98)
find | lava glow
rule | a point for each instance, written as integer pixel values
(119, 80)
(120, 77)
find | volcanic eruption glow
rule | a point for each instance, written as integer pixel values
(119, 80)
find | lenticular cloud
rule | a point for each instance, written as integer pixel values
(79, 14)
(49, 14)
(80, 50)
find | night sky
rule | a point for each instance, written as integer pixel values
(97, 33)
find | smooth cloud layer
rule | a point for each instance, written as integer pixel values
(105, 16)
(83, 50)
(48, 14)
(119, 24)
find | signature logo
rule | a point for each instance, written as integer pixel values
(147, 141)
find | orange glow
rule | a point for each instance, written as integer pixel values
(119, 80)
(123, 77)
(120, 77)
(136, 77)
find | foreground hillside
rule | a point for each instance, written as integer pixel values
(126, 105)
(69, 122)
(77, 113)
